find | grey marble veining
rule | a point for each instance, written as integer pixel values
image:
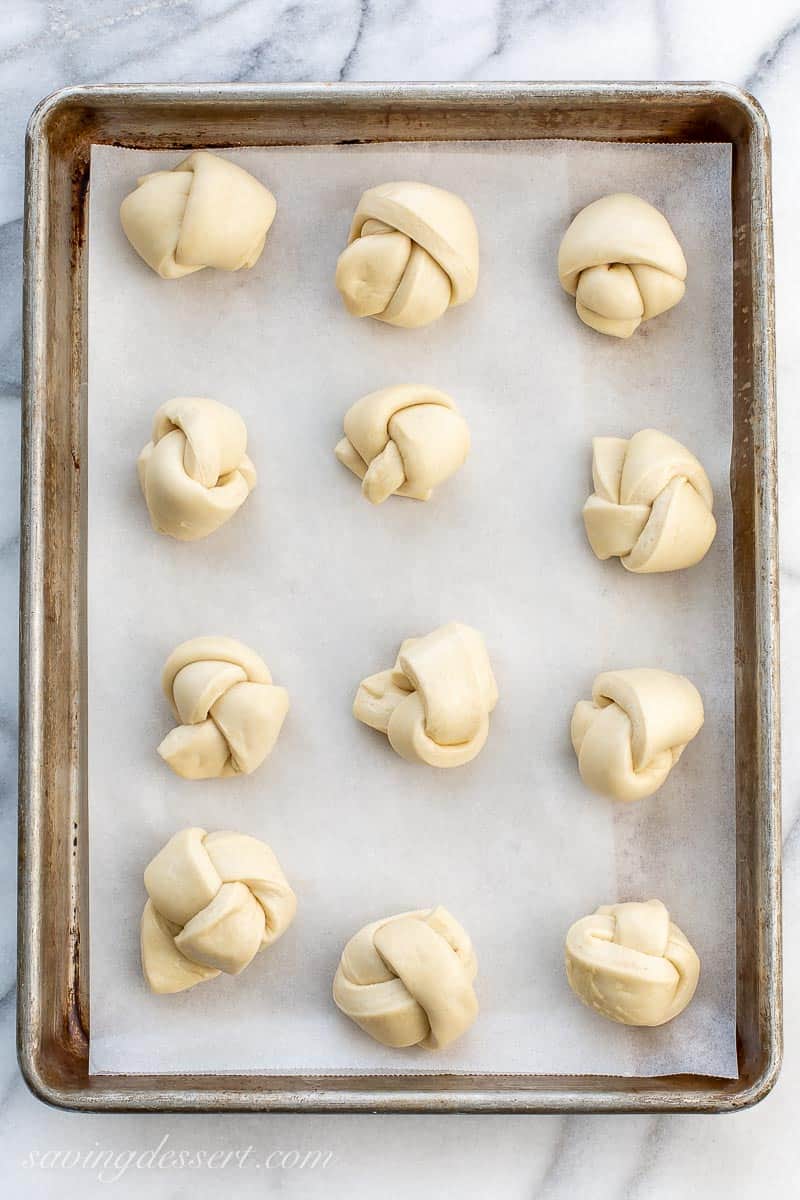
(45, 45)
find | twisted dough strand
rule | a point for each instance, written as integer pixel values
(635, 728)
(229, 711)
(403, 441)
(205, 212)
(434, 704)
(412, 253)
(215, 900)
(630, 963)
(622, 263)
(652, 503)
(407, 980)
(195, 473)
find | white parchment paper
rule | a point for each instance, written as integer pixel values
(325, 587)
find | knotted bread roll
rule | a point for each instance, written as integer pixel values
(407, 980)
(411, 254)
(652, 503)
(215, 900)
(403, 440)
(434, 704)
(206, 212)
(622, 263)
(195, 473)
(631, 964)
(229, 710)
(633, 731)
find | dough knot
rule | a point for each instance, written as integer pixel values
(195, 473)
(622, 263)
(404, 441)
(229, 711)
(434, 704)
(652, 503)
(630, 963)
(412, 253)
(206, 212)
(407, 980)
(215, 900)
(629, 736)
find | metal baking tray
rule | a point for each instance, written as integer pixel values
(53, 1018)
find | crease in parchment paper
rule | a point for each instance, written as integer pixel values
(325, 587)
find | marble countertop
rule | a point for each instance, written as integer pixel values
(45, 45)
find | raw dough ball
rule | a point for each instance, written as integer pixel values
(195, 473)
(206, 212)
(216, 899)
(633, 731)
(622, 263)
(434, 704)
(407, 980)
(403, 440)
(229, 710)
(651, 505)
(412, 252)
(630, 963)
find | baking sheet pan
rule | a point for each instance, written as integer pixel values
(647, 114)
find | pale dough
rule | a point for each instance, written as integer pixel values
(229, 711)
(403, 441)
(195, 472)
(622, 263)
(215, 900)
(412, 253)
(434, 704)
(633, 731)
(652, 503)
(206, 212)
(407, 980)
(631, 964)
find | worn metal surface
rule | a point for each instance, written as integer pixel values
(53, 1018)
